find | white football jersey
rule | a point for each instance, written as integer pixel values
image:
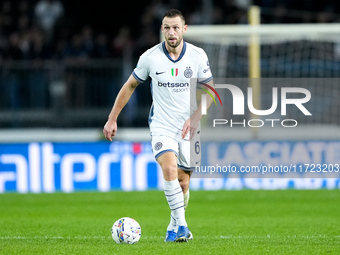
(170, 85)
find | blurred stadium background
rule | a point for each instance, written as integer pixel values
(63, 62)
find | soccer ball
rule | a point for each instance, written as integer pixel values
(126, 230)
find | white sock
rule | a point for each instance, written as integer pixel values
(186, 200)
(172, 224)
(174, 195)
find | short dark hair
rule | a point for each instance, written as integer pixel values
(172, 13)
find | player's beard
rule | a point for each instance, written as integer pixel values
(178, 42)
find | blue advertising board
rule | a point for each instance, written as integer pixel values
(68, 167)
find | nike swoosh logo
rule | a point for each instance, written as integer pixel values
(158, 73)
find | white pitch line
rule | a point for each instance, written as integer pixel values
(268, 236)
(54, 237)
(158, 237)
(68, 237)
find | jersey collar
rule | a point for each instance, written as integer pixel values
(180, 56)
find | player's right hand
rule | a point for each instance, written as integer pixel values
(110, 130)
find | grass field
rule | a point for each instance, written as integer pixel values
(222, 222)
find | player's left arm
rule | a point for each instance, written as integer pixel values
(203, 74)
(191, 124)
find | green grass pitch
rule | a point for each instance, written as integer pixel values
(222, 222)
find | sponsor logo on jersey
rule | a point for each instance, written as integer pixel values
(206, 70)
(158, 73)
(173, 84)
(174, 72)
(188, 73)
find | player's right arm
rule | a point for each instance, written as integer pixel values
(122, 98)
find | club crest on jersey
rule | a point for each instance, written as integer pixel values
(174, 72)
(158, 146)
(188, 73)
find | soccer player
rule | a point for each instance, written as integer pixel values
(174, 123)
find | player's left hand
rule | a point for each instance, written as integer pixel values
(110, 130)
(191, 125)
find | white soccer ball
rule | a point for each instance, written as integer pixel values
(126, 230)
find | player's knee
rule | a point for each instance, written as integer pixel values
(169, 172)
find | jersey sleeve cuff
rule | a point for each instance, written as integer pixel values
(206, 80)
(137, 78)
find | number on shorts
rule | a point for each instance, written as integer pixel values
(197, 147)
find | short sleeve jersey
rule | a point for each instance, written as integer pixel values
(170, 85)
